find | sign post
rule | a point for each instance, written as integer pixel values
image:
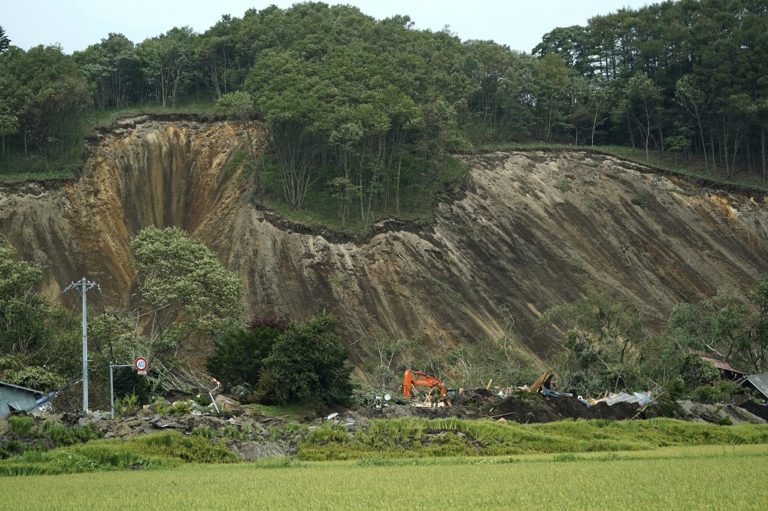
(112, 387)
(140, 364)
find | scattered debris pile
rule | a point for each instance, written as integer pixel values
(250, 435)
(522, 407)
(540, 403)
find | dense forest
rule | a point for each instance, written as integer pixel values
(365, 110)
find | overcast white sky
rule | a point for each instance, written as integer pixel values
(75, 24)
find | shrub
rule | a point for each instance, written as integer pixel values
(204, 432)
(34, 378)
(284, 364)
(721, 391)
(564, 185)
(20, 425)
(308, 362)
(59, 435)
(237, 358)
(126, 405)
(642, 200)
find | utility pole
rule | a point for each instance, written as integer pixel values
(84, 285)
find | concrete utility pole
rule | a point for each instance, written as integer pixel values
(84, 285)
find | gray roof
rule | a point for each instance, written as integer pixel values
(760, 381)
(6, 384)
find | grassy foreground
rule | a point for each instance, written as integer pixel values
(702, 477)
(414, 438)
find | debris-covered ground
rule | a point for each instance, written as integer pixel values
(248, 434)
(534, 408)
(253, 436)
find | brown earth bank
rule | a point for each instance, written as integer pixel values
(531, 231)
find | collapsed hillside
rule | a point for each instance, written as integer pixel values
(531, 230)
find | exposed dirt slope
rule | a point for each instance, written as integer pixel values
(532, 229)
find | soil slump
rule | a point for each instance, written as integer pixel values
(531, 230)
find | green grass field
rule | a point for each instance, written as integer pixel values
(413, 438)
(702, 477)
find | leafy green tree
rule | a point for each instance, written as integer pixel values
(308, 363)
(603, 337)
(169, 62)
(640, 104)
(23, 311)
(554, 88)
(598, 104)
(237, 105)
(46, 91)
(9, 124)
(572, 44)
(114, 69)
(4, 41)
(287, 90)
(730, 325)
(238, 357)
(38, 341)
(184, 292)
(692, 98)
(489, 63)
(518, 97)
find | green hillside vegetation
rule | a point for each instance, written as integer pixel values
(363, 114)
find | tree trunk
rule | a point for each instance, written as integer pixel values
(631, 132)
(762, 150)
(661, 136)
(594, 126)
(647, 134)
(724, 150)
(397, 185)
(703, 143)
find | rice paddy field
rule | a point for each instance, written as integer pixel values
(695, 477)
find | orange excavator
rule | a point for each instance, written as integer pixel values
(412, 379)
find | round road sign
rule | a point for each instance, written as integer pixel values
(140, 364)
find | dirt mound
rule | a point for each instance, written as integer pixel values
(523, 407)
(717, 413)
(536, 408)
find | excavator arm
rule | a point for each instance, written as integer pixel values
(412, 379)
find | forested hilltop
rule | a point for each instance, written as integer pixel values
(362, 113)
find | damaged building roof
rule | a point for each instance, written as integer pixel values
(17, 398)
(760, 382)
(720, 364)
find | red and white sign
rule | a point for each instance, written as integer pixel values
(140, 364)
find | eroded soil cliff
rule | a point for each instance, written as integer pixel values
(532, 229)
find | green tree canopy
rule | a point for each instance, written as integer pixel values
(4, 41)
(38, 341)
(238, 357)
(23, 312)
(184, 292)
(308, 363)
